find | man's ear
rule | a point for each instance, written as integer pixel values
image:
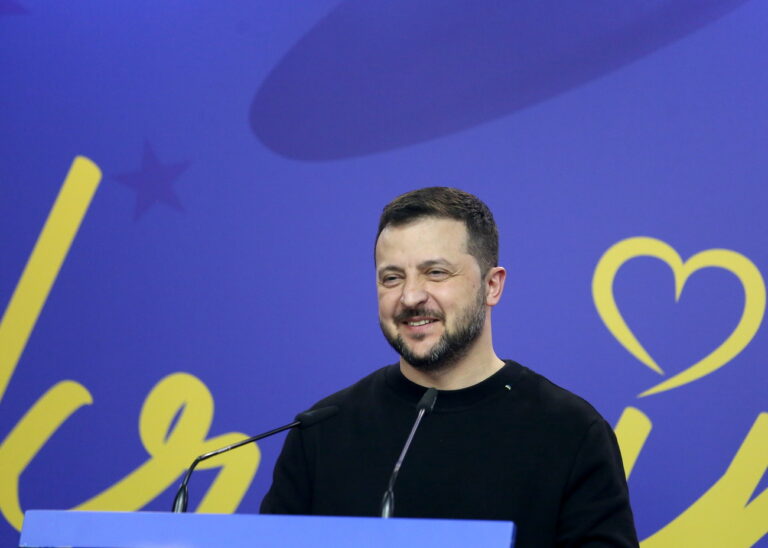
(494, 285)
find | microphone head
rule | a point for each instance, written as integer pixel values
(313, 416)
(427, 401)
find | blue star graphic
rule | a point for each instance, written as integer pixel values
(9, 7)
(153, 182)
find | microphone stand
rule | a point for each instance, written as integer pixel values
(425, 405)
(182, 495)
(303, 420)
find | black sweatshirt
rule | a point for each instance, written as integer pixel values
(514, 447)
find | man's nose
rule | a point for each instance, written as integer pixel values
(414, 294)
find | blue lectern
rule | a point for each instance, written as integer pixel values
(58, 528)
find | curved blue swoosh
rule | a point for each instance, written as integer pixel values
(380, 74)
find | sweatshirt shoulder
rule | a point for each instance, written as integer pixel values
(356, 392)
(545, 397)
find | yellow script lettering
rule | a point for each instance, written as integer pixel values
(29, 436)
(171, 446)
(631, 432)
(172, 451)
(724, 515)
(44, 263)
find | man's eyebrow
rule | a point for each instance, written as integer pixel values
(422, 266)
(435, 262)
(389, 268)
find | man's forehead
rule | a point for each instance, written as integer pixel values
(427, 223)
(432, 236)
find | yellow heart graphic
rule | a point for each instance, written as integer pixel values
(751, 317)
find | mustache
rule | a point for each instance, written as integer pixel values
(409, 313)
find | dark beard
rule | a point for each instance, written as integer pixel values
(452, 346)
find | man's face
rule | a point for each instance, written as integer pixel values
(432, 303)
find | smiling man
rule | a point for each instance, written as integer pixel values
(502, 443)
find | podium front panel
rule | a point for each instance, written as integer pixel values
(58, 528)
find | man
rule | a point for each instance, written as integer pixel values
(503, 443)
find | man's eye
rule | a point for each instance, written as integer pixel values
(437, 273)
(389, 280)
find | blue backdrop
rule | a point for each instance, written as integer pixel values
(189, 193)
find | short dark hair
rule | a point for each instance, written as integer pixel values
(449, 203)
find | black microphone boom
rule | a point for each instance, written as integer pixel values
(425, 405)
(302, 420)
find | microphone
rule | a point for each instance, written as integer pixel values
(425, 405)
(302, 420)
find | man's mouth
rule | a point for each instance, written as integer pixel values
(417, 323)
(418, 318)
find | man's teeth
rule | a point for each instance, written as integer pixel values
(420, 322)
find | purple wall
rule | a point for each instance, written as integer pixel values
(246, 150)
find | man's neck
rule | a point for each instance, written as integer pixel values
(469, 371)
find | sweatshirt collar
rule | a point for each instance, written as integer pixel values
(455, 400)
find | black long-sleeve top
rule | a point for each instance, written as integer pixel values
(514, 447)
